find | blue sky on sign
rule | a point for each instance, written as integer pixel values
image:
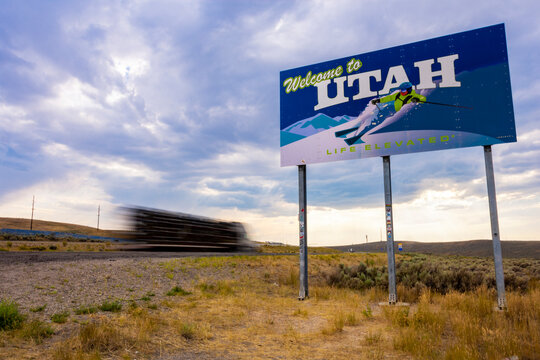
(174, 105)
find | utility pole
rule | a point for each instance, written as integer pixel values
(98, 210)
(32, 218)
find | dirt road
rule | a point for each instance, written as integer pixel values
(30, 257)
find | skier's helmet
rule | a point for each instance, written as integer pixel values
(405, 88)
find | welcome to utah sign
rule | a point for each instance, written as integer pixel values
(448, 92)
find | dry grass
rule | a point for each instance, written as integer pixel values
(248, 309)
(468, 326)
(58, 245)
(290, 249)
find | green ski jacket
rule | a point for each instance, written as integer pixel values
(400, 100)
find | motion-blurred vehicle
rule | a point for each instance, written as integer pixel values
(165, 228)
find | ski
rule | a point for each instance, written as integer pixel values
(345, 132)
(353, 139)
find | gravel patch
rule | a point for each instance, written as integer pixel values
(66, 285)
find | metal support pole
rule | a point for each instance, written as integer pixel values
(302, 218)
(497, 253)
(392, 295)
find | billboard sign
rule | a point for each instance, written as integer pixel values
(443, 93)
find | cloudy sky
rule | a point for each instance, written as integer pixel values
(175, 105)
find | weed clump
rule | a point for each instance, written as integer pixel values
(368, 314)
(290, 278)
(114, 306)
(37, 331)
(84, 310)
(100, 337)
(148, 296)
(177, 290)
(38, 308)
(60, 318)
(218, 288)
(187, 331)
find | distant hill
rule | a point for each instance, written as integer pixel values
(510, 249)
(24, 224)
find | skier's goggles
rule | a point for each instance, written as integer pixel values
(406, 91)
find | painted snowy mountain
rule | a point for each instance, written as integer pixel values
(310, 126)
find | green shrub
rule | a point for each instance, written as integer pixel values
(114, 306)
(359, 277)
(83, 310)
(440, 274)
(10, 317)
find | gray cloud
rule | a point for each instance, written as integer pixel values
(175, 104)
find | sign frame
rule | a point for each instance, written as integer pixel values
(370, 121)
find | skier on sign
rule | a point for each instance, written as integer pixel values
(390, 105)
(405, 95)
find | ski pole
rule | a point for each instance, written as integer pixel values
(436, 103)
